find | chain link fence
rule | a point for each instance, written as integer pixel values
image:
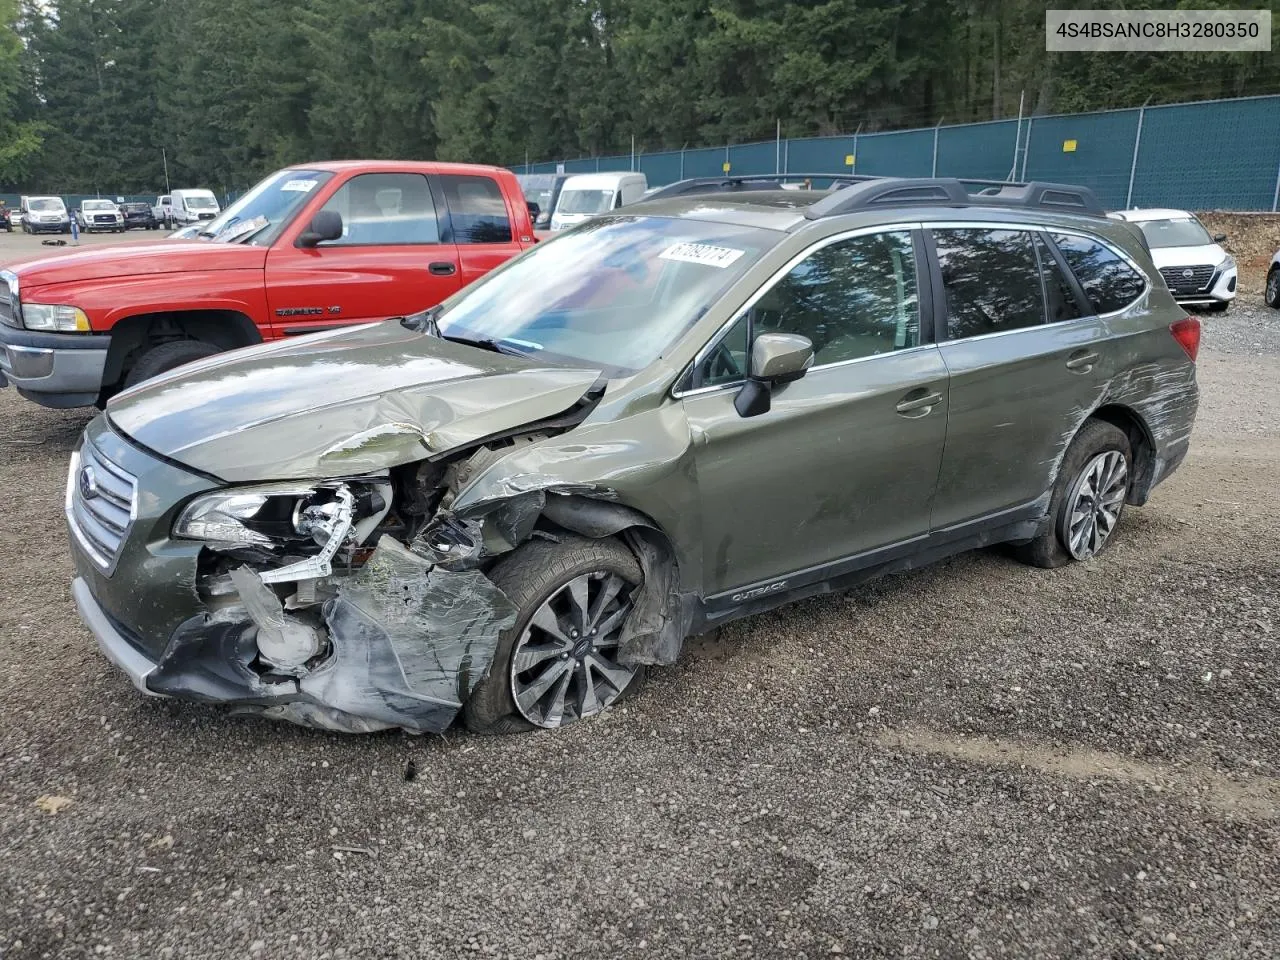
(1210, 155)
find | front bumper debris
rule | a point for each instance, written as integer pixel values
(408, 641)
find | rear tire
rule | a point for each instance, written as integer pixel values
(534, 576)
(166, 357)
(1090, 462)
(1272, 292)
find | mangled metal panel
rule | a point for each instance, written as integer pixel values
(410, 641)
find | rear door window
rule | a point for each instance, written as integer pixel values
(477, 209)
(385, 209)
(991, 279)
(1108, 280)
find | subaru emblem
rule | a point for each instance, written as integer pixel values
(88, 483)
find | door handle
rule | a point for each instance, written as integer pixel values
(918, 406)
(442, 268)
(1082, 362)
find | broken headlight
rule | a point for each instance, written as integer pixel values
(259, 516)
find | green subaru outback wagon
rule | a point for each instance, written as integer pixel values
(725, 398)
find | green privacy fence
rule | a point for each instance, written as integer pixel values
(1212, 155)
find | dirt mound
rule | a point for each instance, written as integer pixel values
(1252, 238)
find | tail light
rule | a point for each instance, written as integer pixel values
(1187, 332)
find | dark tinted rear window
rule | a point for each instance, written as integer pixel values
(477, 209)
(992, 281)
(1108, 281)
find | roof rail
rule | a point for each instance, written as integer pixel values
(756, 181)
(949, 191)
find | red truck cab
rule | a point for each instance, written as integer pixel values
(310, 247)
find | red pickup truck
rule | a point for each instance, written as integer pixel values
(308, 248)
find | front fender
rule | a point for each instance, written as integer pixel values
(643, 461)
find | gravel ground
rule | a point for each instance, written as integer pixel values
(975, 760)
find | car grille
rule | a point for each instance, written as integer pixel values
(9, 300)
(1179, 282)
(206, 216)
(101, 505)
(103, 218)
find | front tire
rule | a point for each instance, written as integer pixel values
(166, 357)
(1272, 292)
(558, 663)
(1088, 497)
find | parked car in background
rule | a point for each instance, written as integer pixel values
(587, 195)
(99, 216)
(139, 215)
(6, 217)
(162, 210)
(192, 206)
(45, 215)
(544, 190)
(309, 248)
(1198, 271)
(700, 409)
(1271, 292)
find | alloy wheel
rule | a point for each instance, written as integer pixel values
(1273, 288)
(564, 666)
(1094, 504)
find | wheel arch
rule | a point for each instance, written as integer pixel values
(1141, 443)
(133, 335)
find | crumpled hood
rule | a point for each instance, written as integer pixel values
(1209, 253)
(136, 259)
(339, 403)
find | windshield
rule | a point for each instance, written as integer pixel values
(584, 201)
(98, 205)
(614, 293)
(1184, 232)
(540, 195)
(271, 204)
(47, 205)
(201, 203)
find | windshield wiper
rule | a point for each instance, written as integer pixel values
(483, 343)
(427, 321)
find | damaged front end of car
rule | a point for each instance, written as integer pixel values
(361, 603)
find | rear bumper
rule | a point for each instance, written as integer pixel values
(54, 369)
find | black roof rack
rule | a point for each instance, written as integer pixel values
(758, 181)
(854, 192)
(949, 191)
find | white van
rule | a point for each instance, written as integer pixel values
(192, 206)
(45, 215)
(587, 195)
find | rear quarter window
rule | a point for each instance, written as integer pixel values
(477, 209)
(1108, 280)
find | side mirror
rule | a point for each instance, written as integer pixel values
(534, 209)
(325, 225)
(1219, 238)
(776, 359)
